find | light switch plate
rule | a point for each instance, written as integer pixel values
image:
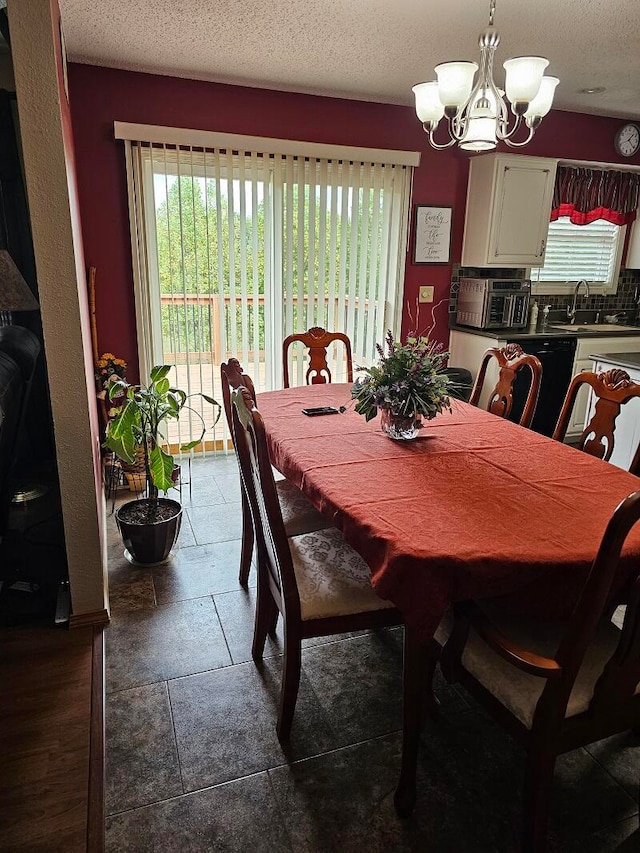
(426, 293)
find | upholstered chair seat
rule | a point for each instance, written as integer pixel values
(518, 691)
(332, 578)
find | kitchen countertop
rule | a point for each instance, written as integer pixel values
(630, 360)
(548, 332)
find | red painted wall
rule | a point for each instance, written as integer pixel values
(100, 96)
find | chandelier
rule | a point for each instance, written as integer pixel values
(477, 114)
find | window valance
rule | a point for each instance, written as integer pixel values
(585, 195)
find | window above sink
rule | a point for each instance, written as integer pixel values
(592, 252)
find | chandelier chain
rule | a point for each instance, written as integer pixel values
(492, 11)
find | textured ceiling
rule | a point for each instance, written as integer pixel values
(371, 50)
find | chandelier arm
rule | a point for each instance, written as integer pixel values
(457, 125)
(502, 117)
(505, 135)
(439, 146)
(466, 108)
(513, 144)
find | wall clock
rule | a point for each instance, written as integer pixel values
(627, 140)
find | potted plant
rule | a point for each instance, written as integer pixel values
(150, 525)
(408, 384)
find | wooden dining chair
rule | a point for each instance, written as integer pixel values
(510, 359)
(556, 687)
(298, 513)
(316, 581)
(316, 340)
(613, 388)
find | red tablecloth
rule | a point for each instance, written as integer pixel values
(476, 507)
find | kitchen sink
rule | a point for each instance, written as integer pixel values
(595, 327)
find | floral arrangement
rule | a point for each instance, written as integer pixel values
(408, 381)
(109, 369)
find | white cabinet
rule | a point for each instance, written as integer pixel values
(576, 421)
(632, 261)
(466, 350)
(508, 207)
(587, 347)
(627, 432)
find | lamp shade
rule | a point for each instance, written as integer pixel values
(455, 81)
(541, 104)
(523, 77)
(428, 105)
(15, 294)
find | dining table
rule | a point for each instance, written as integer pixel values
(475, 507)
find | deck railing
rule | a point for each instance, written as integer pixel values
(232, 308)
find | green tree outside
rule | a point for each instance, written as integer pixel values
(199, 248)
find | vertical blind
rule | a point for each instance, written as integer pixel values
(234, 250)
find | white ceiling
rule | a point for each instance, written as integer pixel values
(372, 50)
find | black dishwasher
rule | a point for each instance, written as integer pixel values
(556, 356)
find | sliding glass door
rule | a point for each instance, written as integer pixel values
(236, 250)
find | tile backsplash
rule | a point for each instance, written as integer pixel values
(623, 300)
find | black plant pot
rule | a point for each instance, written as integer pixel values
(149, 542)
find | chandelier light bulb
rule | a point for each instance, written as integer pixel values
(476, 112)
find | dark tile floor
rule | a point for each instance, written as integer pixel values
(194, 764)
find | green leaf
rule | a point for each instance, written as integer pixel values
(161, 466)
(211, 400)
(159, 372)
(190, 445)
(121, 432)
(117, 387)
(179, 394)
(162, 387)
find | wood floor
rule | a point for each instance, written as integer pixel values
(51, 779)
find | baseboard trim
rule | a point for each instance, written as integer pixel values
(96, 618)
(96, 794)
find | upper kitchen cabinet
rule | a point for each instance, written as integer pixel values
(632, 261)
(508, 208)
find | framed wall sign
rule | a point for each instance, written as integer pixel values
(432, 234)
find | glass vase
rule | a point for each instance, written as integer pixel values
(400, 427)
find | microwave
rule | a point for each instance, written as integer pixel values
(493, 303)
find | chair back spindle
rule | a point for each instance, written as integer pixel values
(316, 340)
(612, 388)
(510, 360)
(232, 376)
(257, 474)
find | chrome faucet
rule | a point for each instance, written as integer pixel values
(571, 309)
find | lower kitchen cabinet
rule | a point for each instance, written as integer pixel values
(467, 348)
(556, 354)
